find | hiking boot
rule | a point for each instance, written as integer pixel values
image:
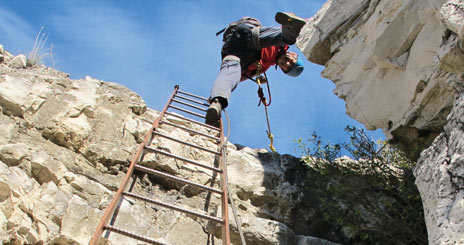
(290, 19)
(213, 114)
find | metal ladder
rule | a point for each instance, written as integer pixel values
(184, 99)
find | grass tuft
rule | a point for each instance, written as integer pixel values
(39, 52)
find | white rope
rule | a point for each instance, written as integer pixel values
(237, 221)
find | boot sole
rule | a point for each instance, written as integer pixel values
(287, 19)
(212, 117)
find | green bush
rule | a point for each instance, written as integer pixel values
(372, 196)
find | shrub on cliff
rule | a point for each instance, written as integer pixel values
(372, 197)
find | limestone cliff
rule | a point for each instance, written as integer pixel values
(65, 146)
(399, 66)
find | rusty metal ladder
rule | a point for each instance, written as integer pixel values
(182, 98)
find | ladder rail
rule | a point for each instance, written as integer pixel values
(223, 181)
(112, 206)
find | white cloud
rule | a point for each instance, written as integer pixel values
(16, 34)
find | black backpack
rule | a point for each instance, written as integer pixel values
(244, 20)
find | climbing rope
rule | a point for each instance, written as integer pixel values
(234, 211)
(263, 100)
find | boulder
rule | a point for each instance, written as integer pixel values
(18, 62)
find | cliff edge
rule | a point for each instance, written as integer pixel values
(399, 66)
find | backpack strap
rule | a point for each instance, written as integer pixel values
(221, 31)
(255, 36)
(253, 22)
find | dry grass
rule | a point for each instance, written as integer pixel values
(39, 52)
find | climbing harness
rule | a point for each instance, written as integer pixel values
(259, 78)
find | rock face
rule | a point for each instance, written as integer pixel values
(398, 55)
(65, 144)
(399, 66)
(65, 147)
(440, 179)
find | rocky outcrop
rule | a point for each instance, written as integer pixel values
(399, 67)
(65, 147)
(440, 179)
(393, 62)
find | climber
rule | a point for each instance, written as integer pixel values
(244, 45)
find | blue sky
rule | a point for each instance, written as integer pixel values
(152, 45)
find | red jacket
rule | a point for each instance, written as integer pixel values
(268, 59)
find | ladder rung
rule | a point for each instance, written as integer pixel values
(192, 100)
(132, 235)
(190, 130)
(185, 143)
(192, 95)
(172, 177)
(183, 159)
(166, 205)
(187, 111)
(191, 120)
(187, 104)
